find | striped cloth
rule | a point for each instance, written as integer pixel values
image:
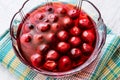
(105, 67)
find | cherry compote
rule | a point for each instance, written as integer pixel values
(57, 37)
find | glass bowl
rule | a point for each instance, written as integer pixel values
(87, 6)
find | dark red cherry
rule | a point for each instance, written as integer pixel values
(37, 38)
(49, 9)
(52, 55)
(25, 38)
(75, 53)
(83, 14)
(50, 37)
(63, 47)
(79, 61)
(52, 17)
(75, 41)
(75, 31)
(88, 36)
(61, 10)
(42, 48)
(65, 63)
(73, 13)
(60, 39)
(67, 22)
(55, 27)
(46, 20)
(36, 59)
(62, 35)
(28, 27)
(50, 65)
(43, 27)
(87, 49)
(85, 23)
(39, 16)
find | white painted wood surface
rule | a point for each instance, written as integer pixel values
(110, 10)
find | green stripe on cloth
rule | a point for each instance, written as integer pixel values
(3, 35)
(8, 59)
(13, 58)
(105, 67)
(113, 41)
(113, 67)
(5, 46)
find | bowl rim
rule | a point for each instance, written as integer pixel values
(66, 73)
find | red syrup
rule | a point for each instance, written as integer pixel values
(57, 37)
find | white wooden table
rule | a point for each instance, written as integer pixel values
(110, 10)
